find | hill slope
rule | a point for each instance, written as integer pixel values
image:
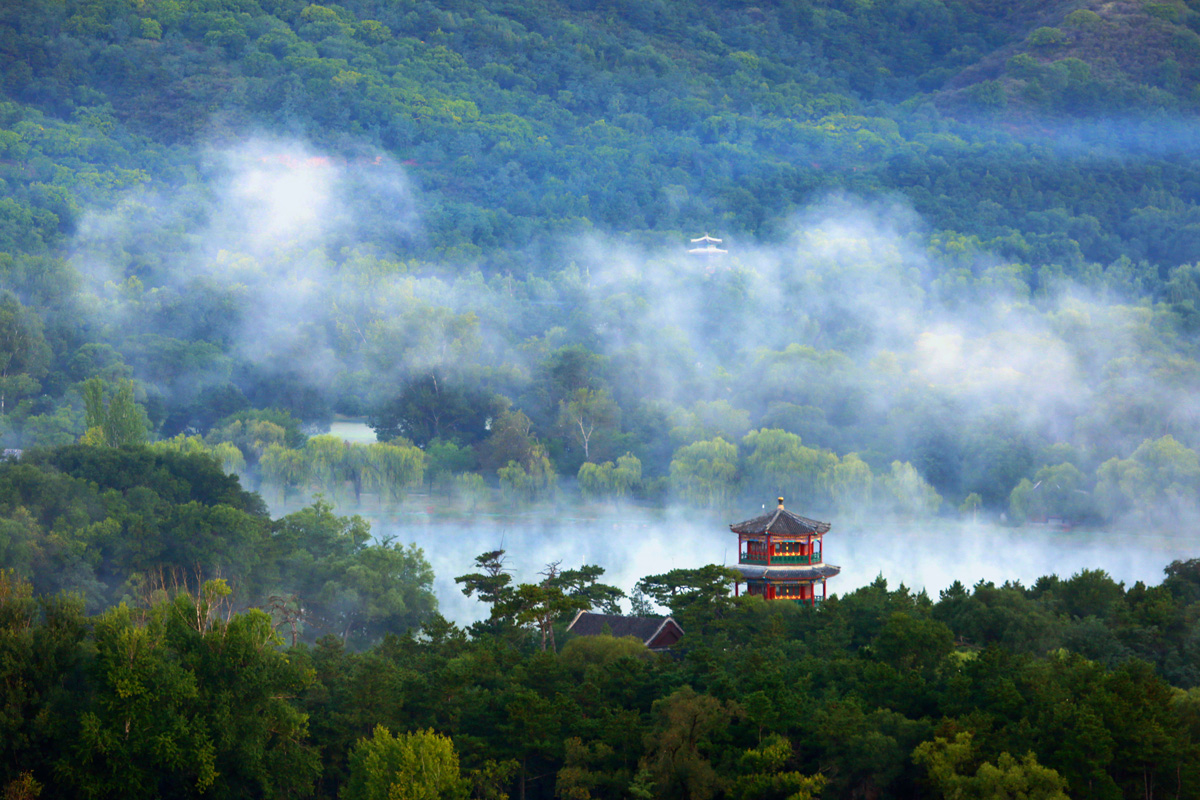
(961, 232)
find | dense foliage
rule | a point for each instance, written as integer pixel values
(128, 524)
(962, 274)
(1073, 687)
(180, 642)
(375, 209)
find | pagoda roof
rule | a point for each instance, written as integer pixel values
(785, 572)
(781, 521)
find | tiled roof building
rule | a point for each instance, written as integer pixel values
(657, 633)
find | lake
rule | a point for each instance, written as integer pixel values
(354, 431)
(638, 542)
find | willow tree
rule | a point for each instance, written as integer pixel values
(851, 483)
(595, 480)
(226, 454)
(609, 479)
(910, 494)
(283, 468)
(780, 463)
(392, 469)
(327, 461)
(528, 481)
(705, 473)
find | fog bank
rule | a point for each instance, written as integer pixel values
(924, 555)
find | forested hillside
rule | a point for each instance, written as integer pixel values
(961, 241)
(960, 277)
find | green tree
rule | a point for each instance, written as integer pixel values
(1046, 37)
(596, 480)
(851, 484)
(778, 463)
(284, 468)
(113, 418)
(469, 488)
(949, 764)
(1055, 491)
(705, 473)
(911, 642)
(583, 584)
(24, 354)
(970, 505)
(384, 588)
(1022, 501)
(392, 468)
(694, 595)
(347, 585)
(539, 605)
(1159, 479)
(433, 407)
(327, 461)
(225, 453)
(493, 584)
(909, 493)
(189, 699)
(446, 460)
(627, 475)
(511, 439)
(688, 731)
(764, 775)
(422, 765)
(585, 412)
(1090, 592)
(584, 765)
(529, 481)
(708, 420)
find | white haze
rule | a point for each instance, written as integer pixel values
(853, 275)
(271, 210)
(859, 267)
(635, 543)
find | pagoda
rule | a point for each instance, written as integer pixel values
(781, 556)
(707, 246)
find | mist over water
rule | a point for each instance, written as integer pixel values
(859, 312)
(933, 555)
(633, 543)
(352, 431)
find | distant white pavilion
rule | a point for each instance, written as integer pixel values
(708, 246)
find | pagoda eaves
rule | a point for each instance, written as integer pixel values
(781, 521)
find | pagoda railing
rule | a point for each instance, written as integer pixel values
(781, 560)
(812, 559)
